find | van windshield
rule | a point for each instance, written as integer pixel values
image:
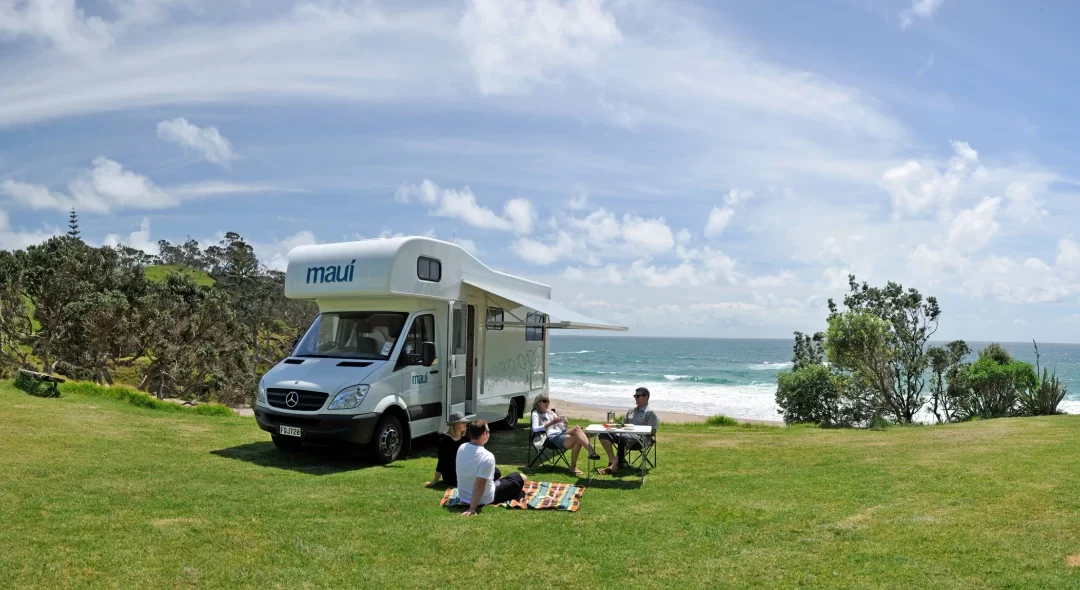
(352, 334)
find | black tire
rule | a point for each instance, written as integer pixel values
(513, 414)
(286, 443)
(387, 441)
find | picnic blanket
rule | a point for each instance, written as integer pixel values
(538, 495)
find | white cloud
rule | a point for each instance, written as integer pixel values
(105, 187)
(718, 220)
(19, 240)
(1068, 259)
(647, 236)
(736, 196)
(468, 245)
(515, 45)
(518, 214)
(1022, 203)
(578, 202)
(918, 187)
(537, 252)
(972, 229)
(206, 141)
(139, 239)
(60, 22)
(210, 188)
(781, 279)
(919, 9)
(276, 255)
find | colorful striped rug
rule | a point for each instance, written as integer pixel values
(538, 495)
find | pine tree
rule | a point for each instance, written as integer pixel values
(73, 225)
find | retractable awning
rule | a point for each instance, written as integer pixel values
(558, 316)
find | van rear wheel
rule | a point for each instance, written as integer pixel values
(387, 440)
(513, 414)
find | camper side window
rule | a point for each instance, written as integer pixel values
(494, 318)
(419, 346)
(534, 334)
(428, 269)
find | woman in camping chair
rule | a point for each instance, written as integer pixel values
(544, 419)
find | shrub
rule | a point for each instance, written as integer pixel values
(721, 420)
(810, 394)
(1043, 399)
(995, 382)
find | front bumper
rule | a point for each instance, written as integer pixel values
(320, 428)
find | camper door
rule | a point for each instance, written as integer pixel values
(457, 349)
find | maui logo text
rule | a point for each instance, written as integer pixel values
(331, 274)
(419, 379)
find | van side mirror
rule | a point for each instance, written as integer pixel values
(428, 353)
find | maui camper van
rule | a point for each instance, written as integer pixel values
(409, 330)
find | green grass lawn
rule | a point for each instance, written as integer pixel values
(96, 492)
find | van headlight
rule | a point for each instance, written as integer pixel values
(260, 398)
(349, 398)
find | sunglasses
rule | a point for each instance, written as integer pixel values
(640, 395)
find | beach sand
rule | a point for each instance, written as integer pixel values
(599, 414)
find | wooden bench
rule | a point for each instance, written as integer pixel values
(38, 384)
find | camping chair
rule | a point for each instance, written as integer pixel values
(541, 451)
(642, 456)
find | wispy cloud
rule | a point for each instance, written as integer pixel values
(206, 141)
(518, 214)
(105, 187)
(919, 9)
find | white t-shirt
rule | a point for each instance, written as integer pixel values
(475, 461)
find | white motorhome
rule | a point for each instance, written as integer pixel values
(409, 330)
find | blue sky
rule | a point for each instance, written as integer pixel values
(688, 169)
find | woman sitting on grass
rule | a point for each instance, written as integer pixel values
(448, 446)
(544, 419)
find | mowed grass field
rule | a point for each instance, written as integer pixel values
(98, 493)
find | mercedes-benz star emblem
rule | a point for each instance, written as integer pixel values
(292, 398)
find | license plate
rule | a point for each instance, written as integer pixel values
(289, 431)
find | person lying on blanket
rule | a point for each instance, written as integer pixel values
(639, 415)
(477, 485)
(544, 419)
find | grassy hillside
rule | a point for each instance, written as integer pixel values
(96, 492)
(158, 273)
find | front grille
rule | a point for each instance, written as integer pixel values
(308, 401)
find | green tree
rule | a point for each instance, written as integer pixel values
(73, 225)
(946, 366)
(16, 318)
(881, 339)
(193, 349)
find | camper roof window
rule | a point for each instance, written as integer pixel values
(428, 269)
(352, 335)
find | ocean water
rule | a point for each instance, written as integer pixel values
(734, 377)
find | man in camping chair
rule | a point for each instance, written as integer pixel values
(639, 415)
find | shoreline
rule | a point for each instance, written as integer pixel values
(582, 411)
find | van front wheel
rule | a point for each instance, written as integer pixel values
(388, 440)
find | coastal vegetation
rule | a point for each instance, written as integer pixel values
(874, 364)
(190, 322)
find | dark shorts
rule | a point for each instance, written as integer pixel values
(625, 441)
(508, 488)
